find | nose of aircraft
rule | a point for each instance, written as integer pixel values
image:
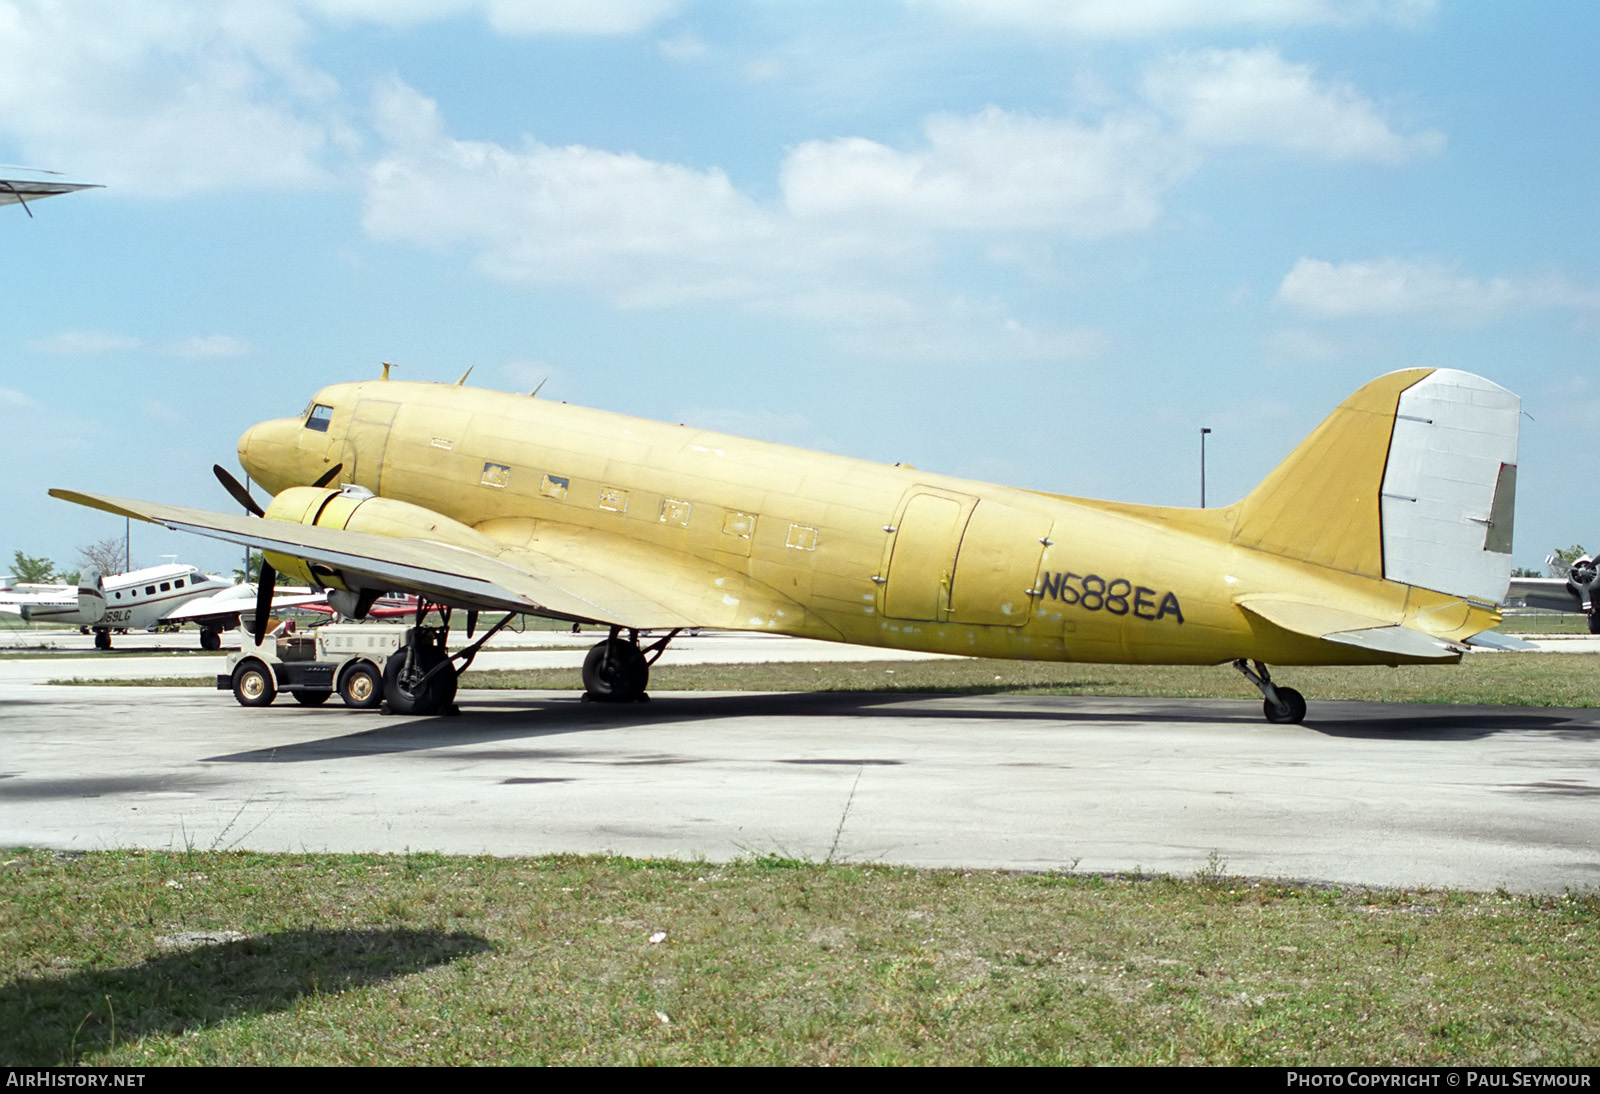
(269, 453)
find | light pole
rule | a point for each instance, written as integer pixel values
(1203, 432)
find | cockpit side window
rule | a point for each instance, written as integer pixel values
(319, 417)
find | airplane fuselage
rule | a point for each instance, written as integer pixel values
(767, 537)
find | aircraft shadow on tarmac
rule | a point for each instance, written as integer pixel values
(42, 1019)
(489, 720)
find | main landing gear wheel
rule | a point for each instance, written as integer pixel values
(210, 639)
(361, 687)
(253, 685)
(407, 687)
(615, 671)
(102, 640)
(1282, 706)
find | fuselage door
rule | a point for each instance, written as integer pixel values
(998, 564)
(922, 559)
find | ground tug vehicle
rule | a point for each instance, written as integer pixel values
(348, 658)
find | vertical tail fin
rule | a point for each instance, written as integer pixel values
(1412, 478)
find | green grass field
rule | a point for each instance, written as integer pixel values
(132, 958)
(1517, 679)
(423, 959)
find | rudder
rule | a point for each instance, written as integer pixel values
(1412, 479)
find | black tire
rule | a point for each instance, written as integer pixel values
(1293, 711)
(253, 684)
(400, 689)
(1594, 622)
(102, 640)
(210, 639)
(615, 671)
(361, 686)
(311, 698)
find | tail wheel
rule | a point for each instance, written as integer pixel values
(361, 687)
(1289, 710)
(615, 671)
(253, 685)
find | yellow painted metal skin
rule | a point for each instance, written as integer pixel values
(719, 531)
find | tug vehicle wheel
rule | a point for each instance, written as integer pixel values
(361, 687)
(253, 685)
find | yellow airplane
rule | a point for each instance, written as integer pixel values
(1384, 538)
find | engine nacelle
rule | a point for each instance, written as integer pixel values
(355, 509)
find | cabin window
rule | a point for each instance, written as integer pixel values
(178, 584)
(613, 500)
(149, 590)
(802, 537)
(739, 524)
(166, 586)
(554, 486)
(674, 512)
(319, 417)
(497, 475)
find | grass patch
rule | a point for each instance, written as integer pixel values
(139, 958)
(1502, 679)
(1517, 679)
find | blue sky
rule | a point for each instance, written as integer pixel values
(1027, 242)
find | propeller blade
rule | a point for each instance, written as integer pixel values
(264, 587)
(235, 488)
(329, 475)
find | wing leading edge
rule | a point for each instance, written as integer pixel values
(549, 575)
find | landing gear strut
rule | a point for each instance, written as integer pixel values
(420, 678)
(618, 670)
(1282, 706)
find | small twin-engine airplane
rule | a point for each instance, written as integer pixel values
(124, 602)
(1578, 591)
(1384, 538)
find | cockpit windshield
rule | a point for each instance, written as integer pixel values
(319, 417)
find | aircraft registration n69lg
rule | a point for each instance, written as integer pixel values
(1384, 538)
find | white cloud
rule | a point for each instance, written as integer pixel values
(1399, 287)
(683, 47)
(511, 17)
(10, 396)
(166, 96)
(1137, 18)
(1253, 97)
(89, 343)
(995, 170)
(209, 345)
(84, 343)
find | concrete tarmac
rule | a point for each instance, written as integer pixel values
(1364, 793)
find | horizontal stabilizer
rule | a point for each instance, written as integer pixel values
(1348, 628)
(1493, 640)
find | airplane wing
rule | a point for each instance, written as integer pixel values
(549, 576)
(14, 191)
(1349, 628)
(229, 603)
